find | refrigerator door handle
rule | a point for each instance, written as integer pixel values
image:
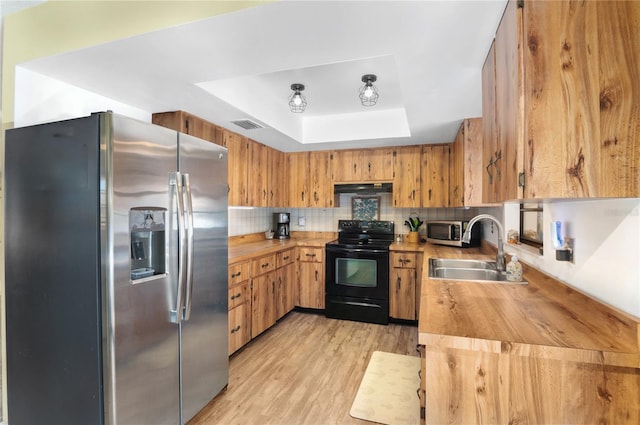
(175, 182)
(189, 217)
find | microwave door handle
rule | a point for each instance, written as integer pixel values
(189, 232)
(451, 231)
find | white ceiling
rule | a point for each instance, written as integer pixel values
(428, 57)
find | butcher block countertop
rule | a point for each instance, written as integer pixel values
(544, 318)
(240, 250)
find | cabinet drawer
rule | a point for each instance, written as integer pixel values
(239, 294)
(313, 255)
(238, 272)
(263, 265)
(405, 260)
(285, 257)
(239, 327)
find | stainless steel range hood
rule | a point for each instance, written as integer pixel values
(363, 188)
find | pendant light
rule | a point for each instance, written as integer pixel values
(297, 102)
(368, 92)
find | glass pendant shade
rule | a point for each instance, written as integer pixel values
(368, 92)
(297, 102)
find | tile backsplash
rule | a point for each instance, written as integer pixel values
(244, 221)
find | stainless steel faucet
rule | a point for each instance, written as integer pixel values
(467, 237)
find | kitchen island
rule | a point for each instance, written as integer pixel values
(511, 353)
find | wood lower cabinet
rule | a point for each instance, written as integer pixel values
(403, 287)
(240, 325)
(286, 285)
(239, 303)
(311, 283)
(263, 302)
(263, 293)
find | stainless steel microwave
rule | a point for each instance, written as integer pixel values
(449, 232)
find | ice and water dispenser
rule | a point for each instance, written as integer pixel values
(147, 232)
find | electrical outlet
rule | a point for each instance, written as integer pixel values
(302, 221)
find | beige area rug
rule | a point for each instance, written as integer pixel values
(388, 391)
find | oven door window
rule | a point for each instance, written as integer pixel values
(356, 272)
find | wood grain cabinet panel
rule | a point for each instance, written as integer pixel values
(263, 264)
(465, 172)
(258, 175)
(320, 179)
(263, 311)
(238, 147)
(435, 176)
(239, 272)
(406, 177)
(239, 326)
(403, 289)
(277, 194)
(566, 86)
(311, 285)
(187, 123)
(363, 165)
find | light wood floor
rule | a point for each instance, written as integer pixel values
(304, 370)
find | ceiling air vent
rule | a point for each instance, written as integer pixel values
(247, 124)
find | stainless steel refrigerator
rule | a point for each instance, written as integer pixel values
(116, 272)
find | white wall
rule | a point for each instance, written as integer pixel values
(606, 235)
(39, 99)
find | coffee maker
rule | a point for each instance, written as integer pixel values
(281, 221)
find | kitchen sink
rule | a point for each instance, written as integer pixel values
(461, 264)
(471, 270)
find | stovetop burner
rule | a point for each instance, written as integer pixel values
(364, 234)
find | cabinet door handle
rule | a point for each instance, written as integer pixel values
(316, 275)
(235, 274)
(354, 168)
(399, 282)
(302, 195)
(429, 194)
(233, 297)
(369, 167)
(285, 258)
(265, 265)
(236, 329)
(413, 194)
(310, 255)
(418, 393)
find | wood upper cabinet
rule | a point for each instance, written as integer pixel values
(320, 180)
(363, 165)
(406, 177)
(465, 172)
(187, 123)
(238, 147)
(257, 177)
(347, 166)
(489, 138)
(567, 82)
(435, 176)
(277, 194)
(309, 179)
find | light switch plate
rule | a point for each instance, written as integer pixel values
(302, 221)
